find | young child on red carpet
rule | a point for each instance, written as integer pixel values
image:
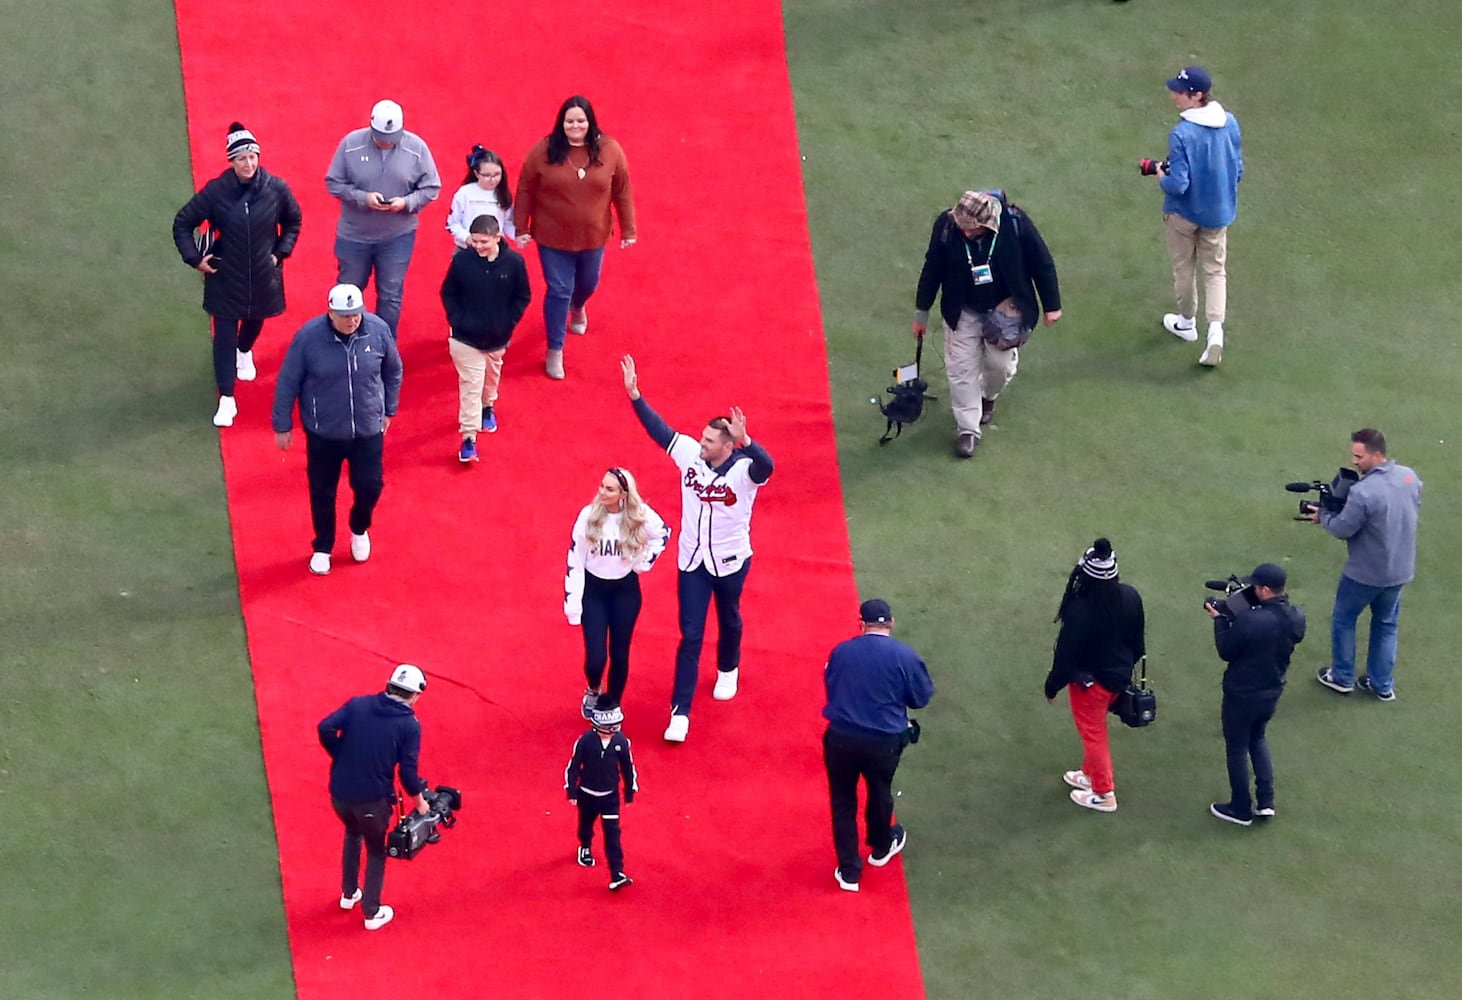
(601, 757)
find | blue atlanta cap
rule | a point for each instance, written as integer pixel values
(1191, 80)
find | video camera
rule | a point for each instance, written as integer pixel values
(1332, 494)
(416, 830)
(1238, 597)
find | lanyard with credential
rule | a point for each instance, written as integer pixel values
(989, 259)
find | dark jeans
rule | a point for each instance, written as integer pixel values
(323, 459)
(694, 591)
(571, 277)
(1244, 720)
(231, 335)
(368, 823)
(606, 809)
(388, 260)
(849, 758)
(610, 610)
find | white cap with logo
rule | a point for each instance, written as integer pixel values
(387, 120)
(346, 300)
(408, 678)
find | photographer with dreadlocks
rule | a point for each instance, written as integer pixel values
(1102, 637)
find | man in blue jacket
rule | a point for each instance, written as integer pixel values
(872, 681)
(1200, 183)
(344, 371)
(1378, 523)
(369, 739)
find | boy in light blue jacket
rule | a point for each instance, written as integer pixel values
(1200, 183)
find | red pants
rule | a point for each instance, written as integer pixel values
(1089, 706)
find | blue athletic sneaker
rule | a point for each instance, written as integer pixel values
(489, 420)
(468, 451)
(1365, 685)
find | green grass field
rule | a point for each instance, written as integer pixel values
(140, 862)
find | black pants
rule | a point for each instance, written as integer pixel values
(323, 459)
(368, 823)
(875, 760)
(606, 808)
(231, 335)
(611, 608)
(1244, 720)
(694, 591)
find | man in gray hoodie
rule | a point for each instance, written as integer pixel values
(1378, 523)
(384, 176)
(1200, 184)
(345, 372)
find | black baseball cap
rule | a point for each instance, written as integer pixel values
(875, 611)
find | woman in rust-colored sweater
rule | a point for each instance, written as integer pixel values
(570, 181)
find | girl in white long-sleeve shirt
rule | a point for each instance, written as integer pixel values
(484, 191)
(616, 538)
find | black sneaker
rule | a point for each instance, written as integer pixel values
(1365, 685)
(1326, 679)
(1226, 812)
(1264, 812)
(586, 858)
(619, 881)
(900, 838)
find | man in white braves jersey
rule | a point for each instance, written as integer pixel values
(719, 478)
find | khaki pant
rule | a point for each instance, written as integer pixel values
(976, 370)
(1192, 248)
(478, 374)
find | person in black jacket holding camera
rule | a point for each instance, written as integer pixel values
(369, 739)
(1103, 634)
(253, 224)
(1257, 644)
(485, 294)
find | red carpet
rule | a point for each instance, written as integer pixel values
(729, 841)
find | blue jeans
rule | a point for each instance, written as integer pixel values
(571, 277)
(694, 590)
(1351, 598)
(357, 260)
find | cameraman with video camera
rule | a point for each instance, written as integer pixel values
(1378, 523)
(369, 739)
(1256, 644)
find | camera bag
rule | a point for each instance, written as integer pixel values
(907, 404)
(1136, 706)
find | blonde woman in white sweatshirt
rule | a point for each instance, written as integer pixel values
(616, 538)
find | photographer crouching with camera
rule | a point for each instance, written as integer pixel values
(1255, 636)
(369, 739)
(1378, 523)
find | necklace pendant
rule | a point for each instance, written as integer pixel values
(581, 173)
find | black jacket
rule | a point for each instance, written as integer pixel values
(368, 738)
(1257, 646)
(485, 299)
(1095, 647)
(596, 767)
(1023, 264)
(250, 222)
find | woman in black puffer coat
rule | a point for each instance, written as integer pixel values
(253, 222)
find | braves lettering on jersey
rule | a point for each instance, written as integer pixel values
(715, 510)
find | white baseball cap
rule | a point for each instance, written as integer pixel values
(408, 678)
(387, 121)
(347, 300)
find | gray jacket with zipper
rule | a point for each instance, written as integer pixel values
(346, 386)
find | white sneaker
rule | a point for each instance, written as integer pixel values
(244, 366)
(726, 684)
(1078, 779)
(1213, 353)
(554, 365)
(381, 919)
(360, 546)
(678, 728)
(1180, 326)
(227, 410)
(348, 902)
(842, 883)
(579, 321)
(320, 564)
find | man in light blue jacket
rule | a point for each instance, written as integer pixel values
(344, 372)
(1200, 183)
